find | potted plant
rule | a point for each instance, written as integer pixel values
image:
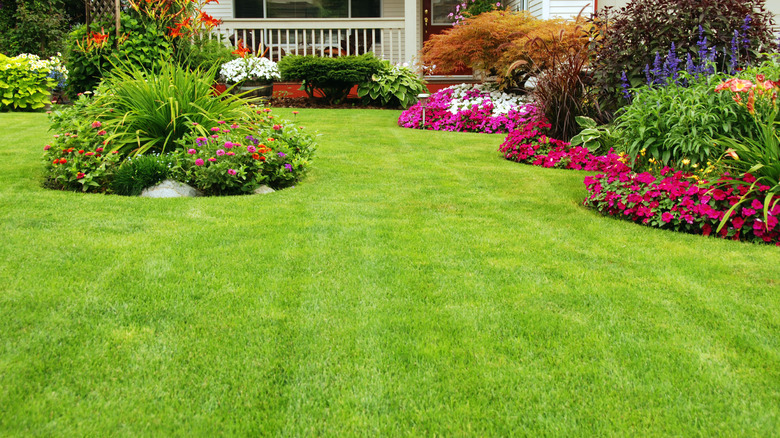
(251, 74)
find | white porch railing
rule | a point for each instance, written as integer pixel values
(331, 37)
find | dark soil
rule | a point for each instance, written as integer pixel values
(305, 102)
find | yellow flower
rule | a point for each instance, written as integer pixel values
(686, 162)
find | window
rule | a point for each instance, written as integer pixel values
(308, 8)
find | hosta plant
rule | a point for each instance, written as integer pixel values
(393, 86)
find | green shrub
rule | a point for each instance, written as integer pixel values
(393, 86)
(33, 26)
(22, 84)
(633, 35)
(148, 111)
(134, 175)
(93, 53)
(331, 78)
(674, 125)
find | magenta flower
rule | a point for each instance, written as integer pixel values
(232, 172)
(47, 147)
(96, 124)
(220, 152)
(234, 126)
(277, 127)
(221, 122)
(251, 149)
(199, 162)
(212, 159)
(215, 129)
(192, 151)
(231, 153)
(288, 167)
(228, 145)
(667, 217)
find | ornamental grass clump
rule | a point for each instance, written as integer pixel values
(149, 112)
(470, 108)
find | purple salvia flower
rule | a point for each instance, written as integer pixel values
(657, 70)
(625, 85)
(734, 53)
(671, 65)
(689, 66)
(745, 28)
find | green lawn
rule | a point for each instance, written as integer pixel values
(415, 284)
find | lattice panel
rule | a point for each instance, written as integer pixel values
(102, 8)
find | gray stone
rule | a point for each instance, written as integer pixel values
(170, 189)
(262, 190)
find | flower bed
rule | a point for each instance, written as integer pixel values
(467, 108)
(680, 202)
(529, 145)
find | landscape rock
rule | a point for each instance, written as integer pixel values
(262, 190)
(170, 189)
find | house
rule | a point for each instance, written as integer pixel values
(393, 29)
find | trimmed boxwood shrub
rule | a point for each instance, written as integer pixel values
(329, 78)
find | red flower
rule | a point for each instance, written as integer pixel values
(256, 156)
(63, 161)
(241, 49)
(79, 175)
(101, 132)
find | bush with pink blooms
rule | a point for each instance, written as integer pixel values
(469, 108)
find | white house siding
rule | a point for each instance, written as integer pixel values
(222, 11)
(570, 8)
(536, 8)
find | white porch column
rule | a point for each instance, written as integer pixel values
(411, 22)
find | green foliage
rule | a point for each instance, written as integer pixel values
(598, 139)
(631, 36)
(150, 111)
(674, 125)
(33, 26)
(203, 53)
(90, 58)
(21, 86)
(331, 78)
(393, 86)
(134, 175)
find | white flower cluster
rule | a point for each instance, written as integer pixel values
(249, 69)
(488, 93)
(52, 67)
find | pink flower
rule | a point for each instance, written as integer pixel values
(737, 222)
(212, 159)
(231, 153)
(220, 152)
(199, 162)
(667, 217)
(233, 126)
(748, 212)
(99, 149)
(215, 129)
(47, 147)
(96, 124)
(757, 204)
(251, 149)
(221, 122)
(232, 172)
(102, 132)
(228, 145)
(277, 127)
(192, 151)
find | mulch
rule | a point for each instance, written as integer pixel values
(305, 102)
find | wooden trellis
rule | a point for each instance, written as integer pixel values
(107, 8)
